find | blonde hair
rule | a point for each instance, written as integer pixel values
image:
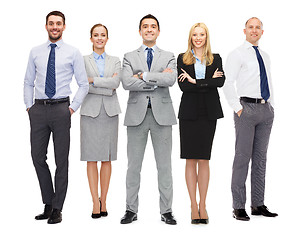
(188, 57)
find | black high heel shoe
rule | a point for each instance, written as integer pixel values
(103, 214)
(196, 220)
(97, 215)
(204, 221)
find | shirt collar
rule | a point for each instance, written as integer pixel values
(97, 56)
(197, 60)
(154, 48)
(58, 43)
(247, 44)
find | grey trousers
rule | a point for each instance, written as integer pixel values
(161, 137)
(253, 130)
(44, 120)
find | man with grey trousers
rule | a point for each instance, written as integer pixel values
(49, 73)
(248, 90)
(147, 73)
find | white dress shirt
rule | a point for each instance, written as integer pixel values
(68, 62)
(243, 75)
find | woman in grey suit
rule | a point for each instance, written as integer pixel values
(99, 118)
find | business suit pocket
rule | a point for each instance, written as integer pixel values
(166, 100)
(132, 100)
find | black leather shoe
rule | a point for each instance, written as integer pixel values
(204, 221)
(96, 215)
(56, 217)
(104, 214)
(46, 214)
(263, 210)
(240, 214)
(129, 217)
(195, 221)
(168, 218)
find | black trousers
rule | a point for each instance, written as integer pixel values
(44, 120)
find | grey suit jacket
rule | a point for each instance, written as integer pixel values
(155, 87)
(104, 88)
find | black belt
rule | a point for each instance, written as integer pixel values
(253, 100)
(51, 101)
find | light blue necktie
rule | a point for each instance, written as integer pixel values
(149, 57)
(265, 91)
(50, 76)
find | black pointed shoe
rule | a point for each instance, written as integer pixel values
(263, 210)
(46, 214)
(56, 217)
(240, 214)
(104, 214)
(129, 217)
(168, 218)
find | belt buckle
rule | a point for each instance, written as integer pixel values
(262, 101)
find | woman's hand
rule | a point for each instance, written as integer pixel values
(90, 80)
(115, 74)
(184, 76)
(217, 74)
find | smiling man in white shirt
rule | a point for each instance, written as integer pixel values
(248, 90)
(49, 73)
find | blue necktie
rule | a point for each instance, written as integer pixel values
(50, 76)
(149, 57)
(265, 92)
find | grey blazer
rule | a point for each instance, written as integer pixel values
(104, 88)
(155, 87)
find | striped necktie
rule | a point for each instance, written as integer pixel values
(149, 57)
(50, 76)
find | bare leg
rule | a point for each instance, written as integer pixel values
(191, 180)
(203, 182)
(105, 175)
(92, 175)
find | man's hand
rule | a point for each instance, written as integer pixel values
(71, 111)
(168, 70)
(240, 112)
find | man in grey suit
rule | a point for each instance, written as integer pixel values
(147, 73)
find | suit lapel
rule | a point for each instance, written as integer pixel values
(142, 58)
(209, 71)
(155, 57)
(93, 64)
(107, 66)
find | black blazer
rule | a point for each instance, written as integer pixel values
(203, 94)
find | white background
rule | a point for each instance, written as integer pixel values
(23, 27)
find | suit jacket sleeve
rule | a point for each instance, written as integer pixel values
(92, 89)
(129, 82)
(109, 82)
(201, 84)
(163, 79)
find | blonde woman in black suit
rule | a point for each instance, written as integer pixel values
(200, 73)
(99, 118)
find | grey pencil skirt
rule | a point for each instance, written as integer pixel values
(99, 137)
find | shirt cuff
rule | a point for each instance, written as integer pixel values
(144, 76)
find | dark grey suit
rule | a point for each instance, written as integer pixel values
(158, 120)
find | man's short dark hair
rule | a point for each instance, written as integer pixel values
(56, 13)
(149, 16)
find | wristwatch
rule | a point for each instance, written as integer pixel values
(139, 75)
